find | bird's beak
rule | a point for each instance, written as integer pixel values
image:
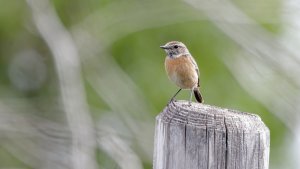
(164, 47)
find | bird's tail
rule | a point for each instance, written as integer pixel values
(198, 95)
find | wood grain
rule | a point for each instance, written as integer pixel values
(206, 137)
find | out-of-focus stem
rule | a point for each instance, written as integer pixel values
(69, 73)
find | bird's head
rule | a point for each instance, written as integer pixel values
(175, 49)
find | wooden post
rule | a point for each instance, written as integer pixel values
(207, 137)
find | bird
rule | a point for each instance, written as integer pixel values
(182, 69)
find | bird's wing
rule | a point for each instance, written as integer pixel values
(196, 68)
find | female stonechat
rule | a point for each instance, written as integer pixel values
(182, 69)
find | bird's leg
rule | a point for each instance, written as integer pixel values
(174, 96)
(190, 101)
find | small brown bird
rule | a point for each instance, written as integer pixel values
(182, 69)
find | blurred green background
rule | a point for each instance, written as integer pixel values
(115, 70)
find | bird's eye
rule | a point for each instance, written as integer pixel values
(175, 46)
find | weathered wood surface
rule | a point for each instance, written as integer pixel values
(206, 137)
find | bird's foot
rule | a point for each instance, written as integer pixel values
(171, 101)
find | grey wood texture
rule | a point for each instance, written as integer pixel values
(206, 137)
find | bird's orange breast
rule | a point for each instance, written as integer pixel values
(181, 71)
